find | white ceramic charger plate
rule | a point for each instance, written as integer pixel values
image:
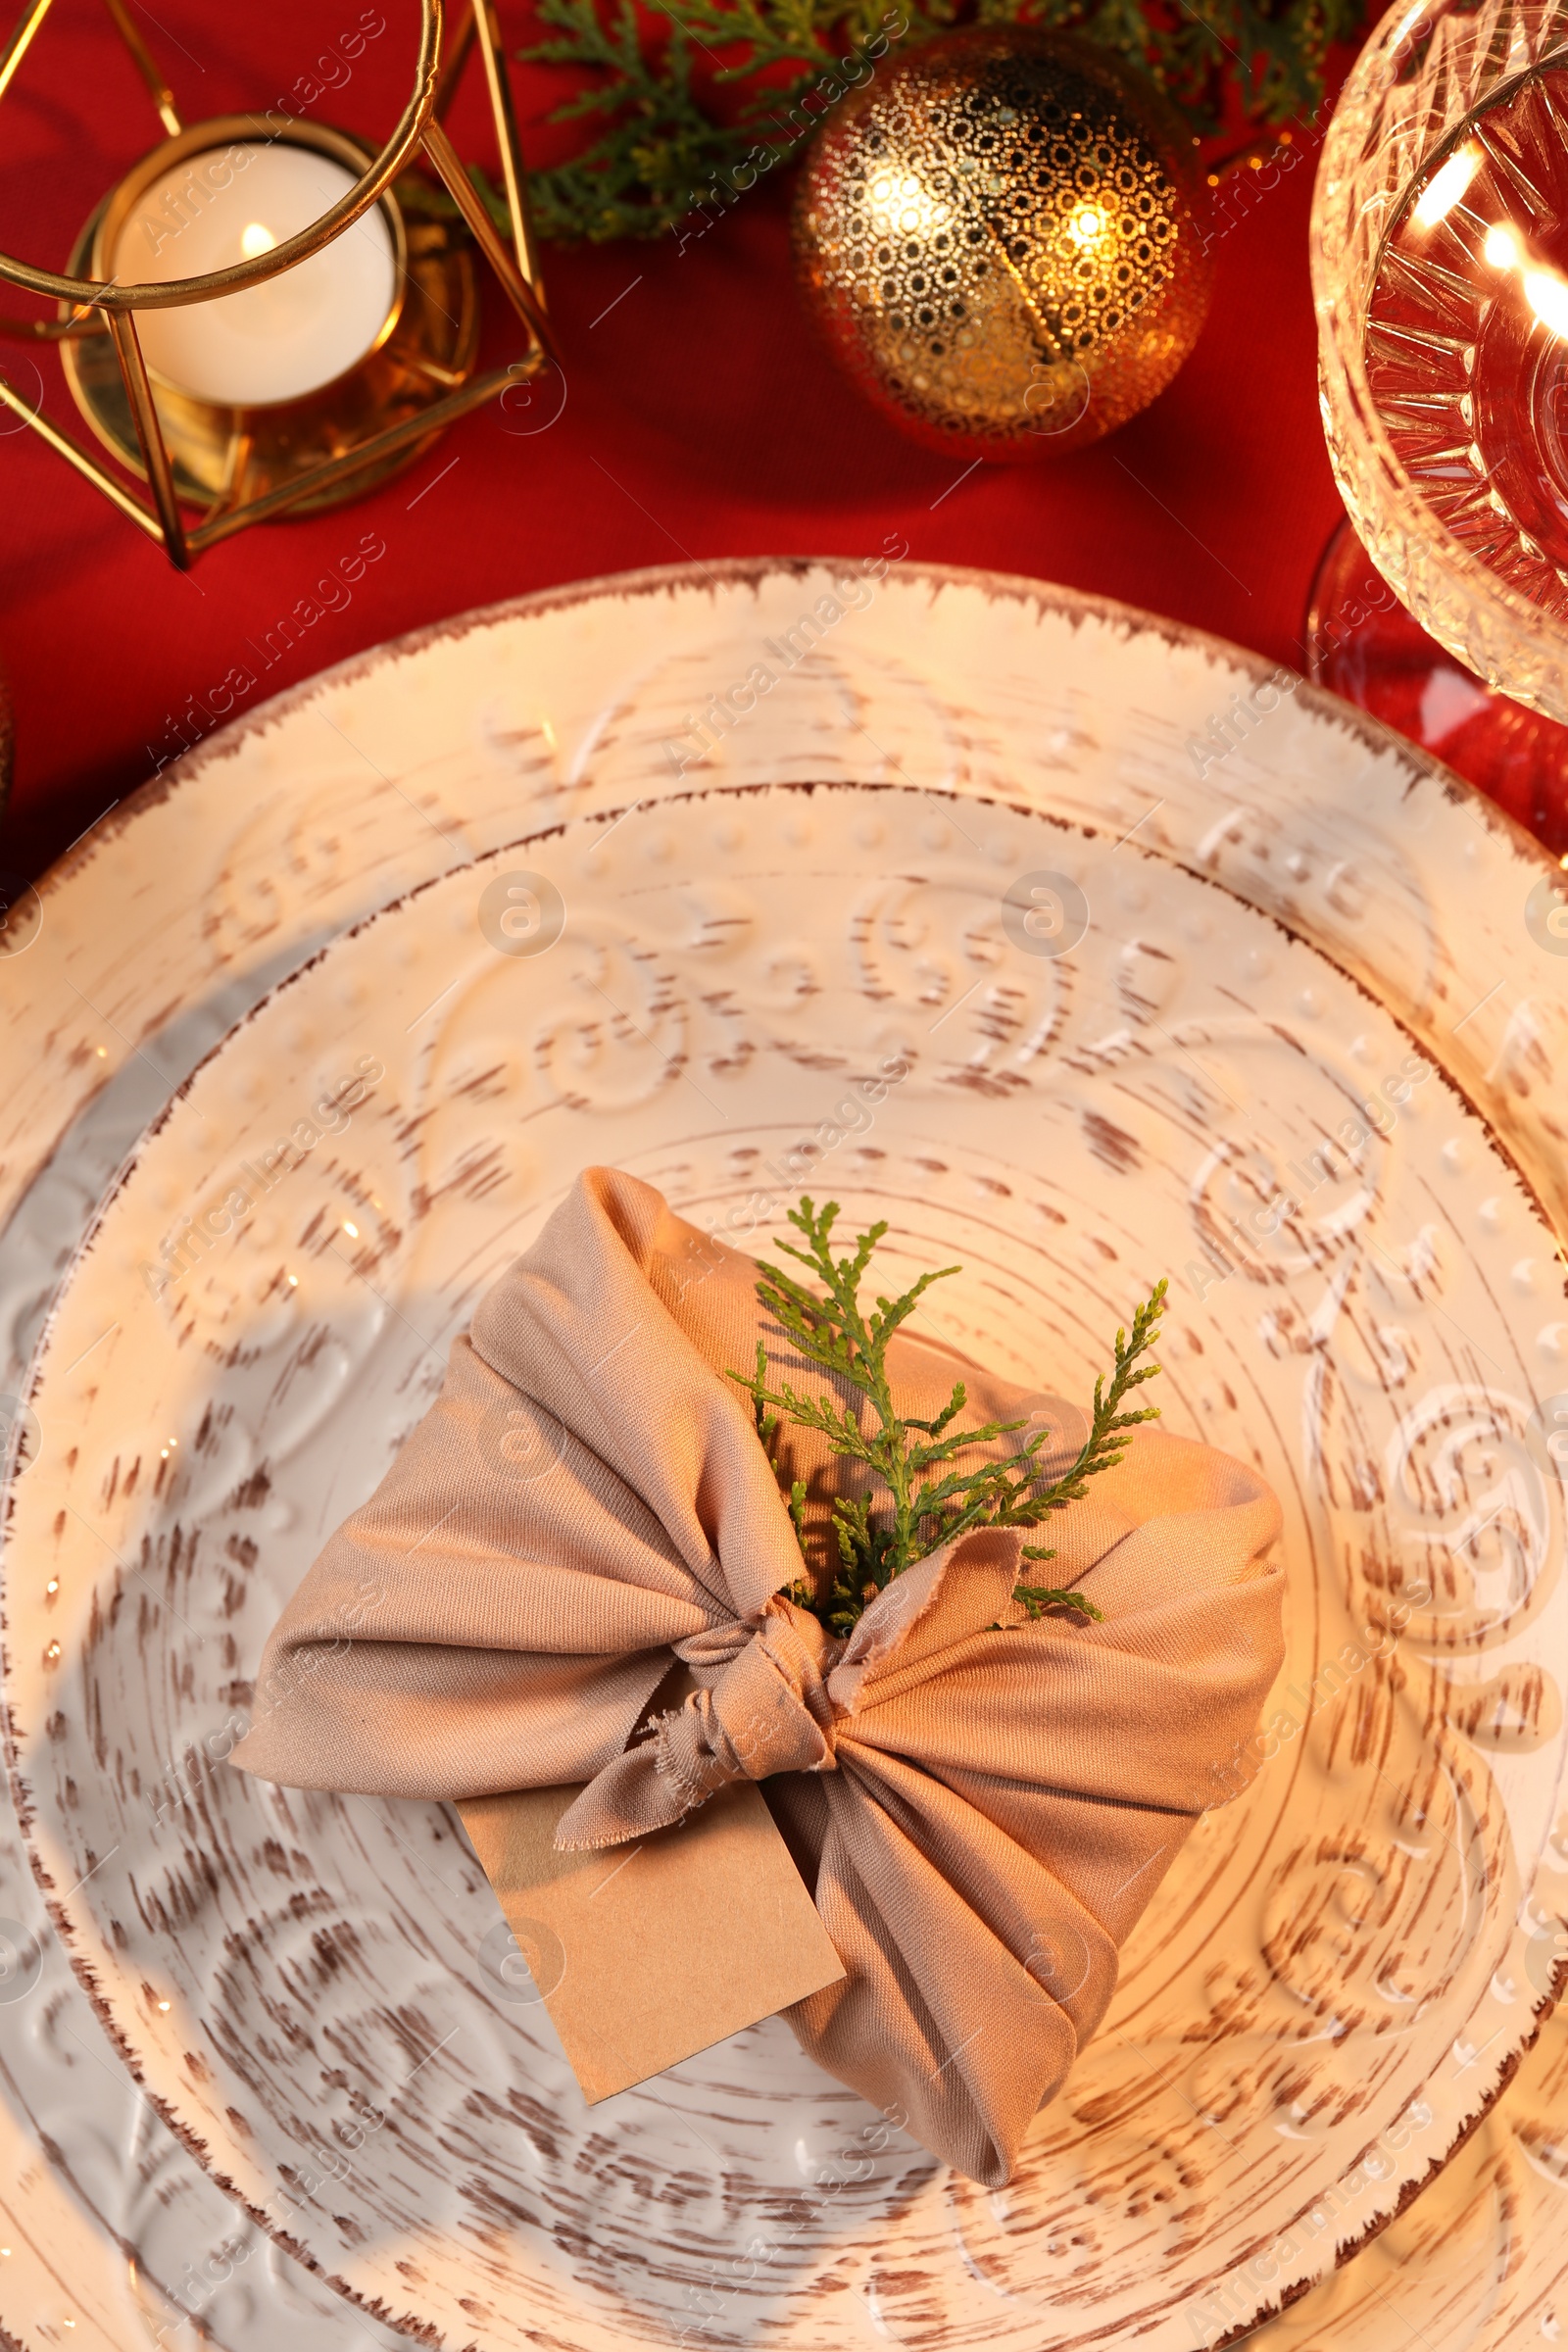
(1072, 1126)
(1082, 709)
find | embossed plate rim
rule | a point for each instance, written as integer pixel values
(694, 595)
(696, 796)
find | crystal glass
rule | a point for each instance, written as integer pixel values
(1440, 269)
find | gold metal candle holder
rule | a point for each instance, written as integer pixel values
(241, 463)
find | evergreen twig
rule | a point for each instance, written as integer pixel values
(927, 1500)
(682, 115)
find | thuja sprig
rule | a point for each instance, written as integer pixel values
(671, 145)
(925, 1500)
(1103, 1448)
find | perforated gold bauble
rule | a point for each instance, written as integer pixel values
(1000, 236)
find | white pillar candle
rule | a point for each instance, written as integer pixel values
(276, 341)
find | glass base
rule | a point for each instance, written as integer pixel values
(1362, 644)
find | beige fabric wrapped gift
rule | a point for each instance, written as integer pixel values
(981, 1806)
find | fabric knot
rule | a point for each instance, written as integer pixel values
(762, 1707)
(716, 1645)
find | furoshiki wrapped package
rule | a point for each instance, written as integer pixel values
(980, 1800)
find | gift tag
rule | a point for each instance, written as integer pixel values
(646, 1953)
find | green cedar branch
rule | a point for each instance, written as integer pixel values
(915, 1513)
(685, 122)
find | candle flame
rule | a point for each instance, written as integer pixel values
(254, 238)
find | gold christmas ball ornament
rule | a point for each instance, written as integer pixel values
(1001, 238)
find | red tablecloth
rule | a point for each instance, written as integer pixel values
(702, 419)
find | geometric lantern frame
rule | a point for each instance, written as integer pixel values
(89, 306)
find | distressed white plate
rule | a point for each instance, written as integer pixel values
(1343, 1962)
(165, 923)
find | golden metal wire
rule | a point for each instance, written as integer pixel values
(501, 107)
(158, 89)
(89, 305)
(20, 41)
(398, 151)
